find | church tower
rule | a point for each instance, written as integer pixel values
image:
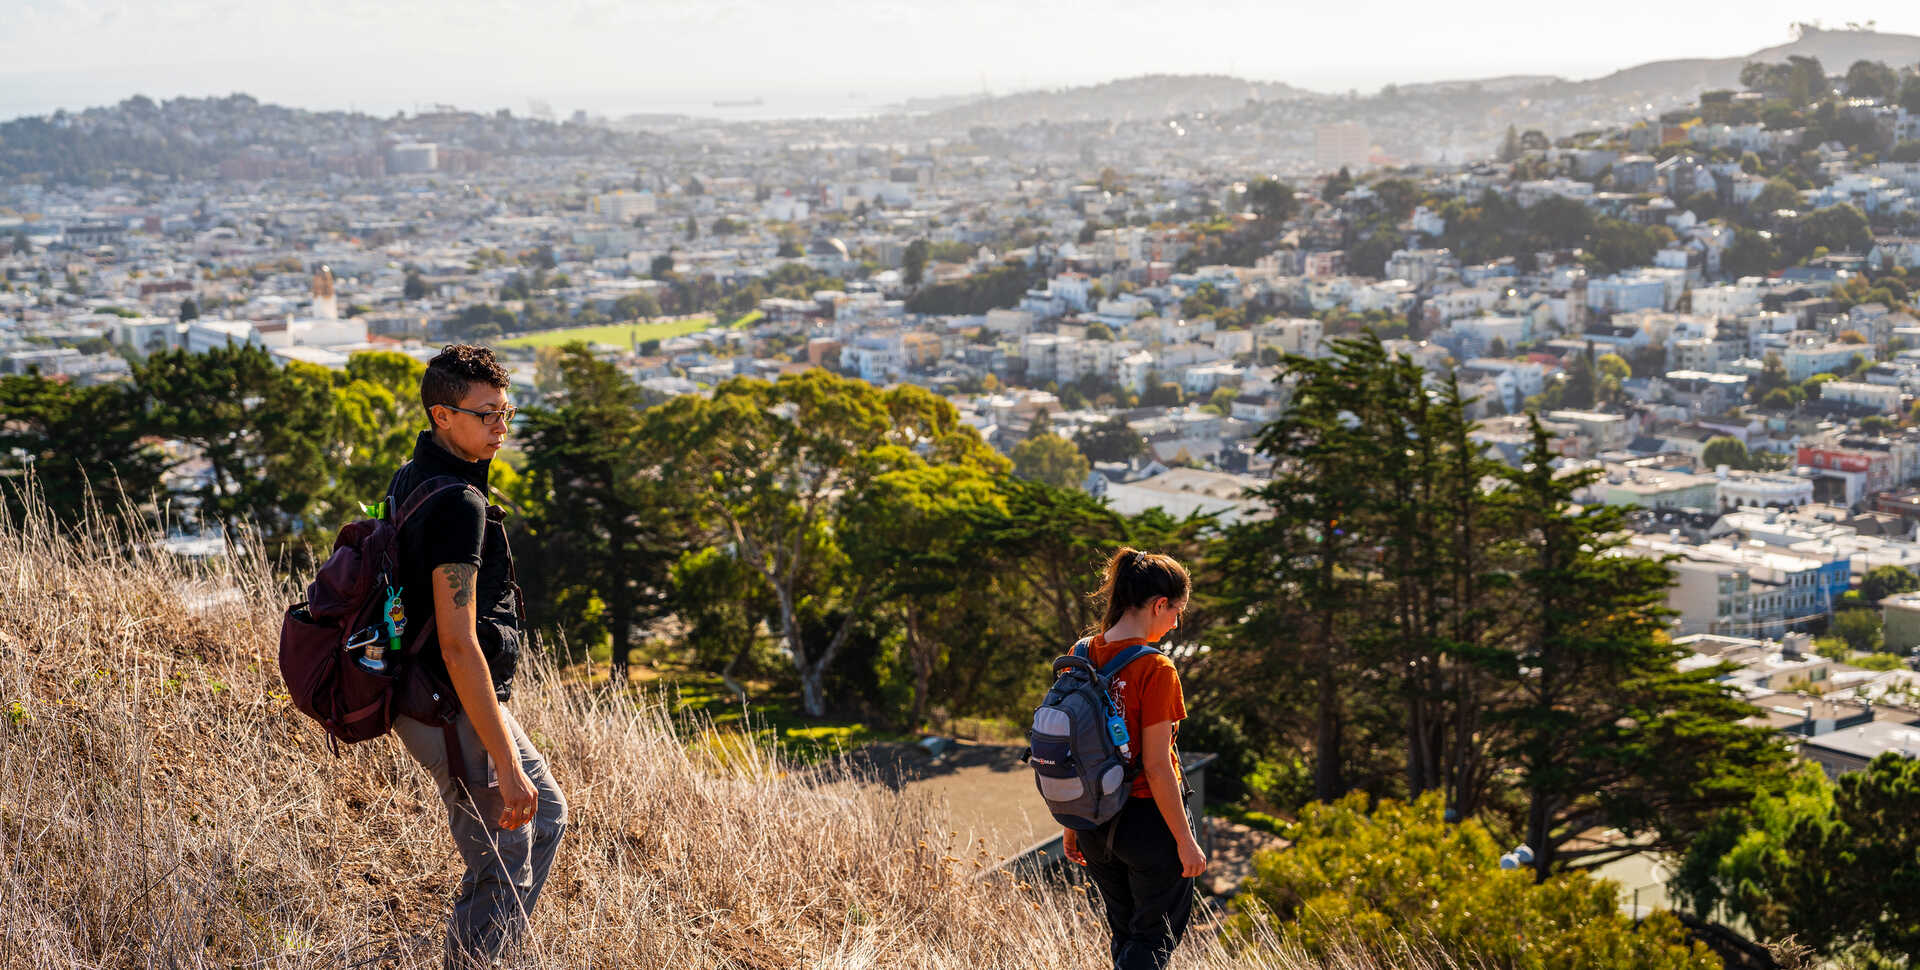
(325, 307)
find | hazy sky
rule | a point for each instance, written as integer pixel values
(827, 55)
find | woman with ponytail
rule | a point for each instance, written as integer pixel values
(1145, 859)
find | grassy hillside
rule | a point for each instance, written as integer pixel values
(161, 804)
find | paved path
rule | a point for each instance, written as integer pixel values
(991, 796)
(990, 793)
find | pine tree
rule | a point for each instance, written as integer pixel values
(913, 266)
(1302, 573)
(1435, 564)
(1510, 145)
(1377, 536)
(83, 444)
(615, 503)
(1582, 383)
(1603, 729)
(264, 430)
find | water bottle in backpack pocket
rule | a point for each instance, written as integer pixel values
(1078, 748)
(332, 681)
(341, 649)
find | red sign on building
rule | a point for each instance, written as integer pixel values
(1840, 461)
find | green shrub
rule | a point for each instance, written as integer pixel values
(1832, 648)
(1878, 661)
(1403, 873)
(1226, 739)
(1284, 785)
(1859, 628)
(1263, 822)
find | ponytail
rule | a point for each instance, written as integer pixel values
(1133, 579)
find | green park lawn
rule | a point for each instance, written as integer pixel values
(619, 334)
(711, 716)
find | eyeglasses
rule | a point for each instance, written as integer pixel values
(503, 417)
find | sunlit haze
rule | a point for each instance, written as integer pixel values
(832, 58)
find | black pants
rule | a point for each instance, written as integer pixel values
(1148, 902)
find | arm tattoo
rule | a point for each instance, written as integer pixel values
(460, 581)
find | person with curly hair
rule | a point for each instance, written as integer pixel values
(505, 811)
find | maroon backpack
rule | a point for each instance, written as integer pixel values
(345, 606)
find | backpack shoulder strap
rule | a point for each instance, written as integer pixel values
(1083, 649)
(425, 492)
(1126, 657)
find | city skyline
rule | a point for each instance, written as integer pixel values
(847, 58)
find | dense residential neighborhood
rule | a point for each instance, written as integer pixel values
(1709, 308)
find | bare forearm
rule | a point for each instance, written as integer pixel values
(1166, 797)
(453, 610)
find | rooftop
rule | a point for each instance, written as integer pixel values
(1868, 741)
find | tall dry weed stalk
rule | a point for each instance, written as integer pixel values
(163, 805)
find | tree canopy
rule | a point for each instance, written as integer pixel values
(1725, 450)
(1827, 862)
(781, 465)
(1405, 872)
(1881, 582)
(1052, 459)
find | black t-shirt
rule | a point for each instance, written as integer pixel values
(456, 526)
(452, 528)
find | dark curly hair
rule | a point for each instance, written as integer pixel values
(455, 370)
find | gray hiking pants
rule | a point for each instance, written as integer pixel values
(506, 868)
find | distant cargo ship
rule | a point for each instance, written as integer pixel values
(751, 103)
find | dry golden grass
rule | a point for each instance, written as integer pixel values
(163, 805)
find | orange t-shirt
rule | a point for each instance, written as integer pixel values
(1147, 691)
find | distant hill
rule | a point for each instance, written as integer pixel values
(189, 137)
(1486, 85)
(1836, 50)
(1147, 96)
(1157, 96)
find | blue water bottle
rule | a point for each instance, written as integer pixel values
(1117, 729)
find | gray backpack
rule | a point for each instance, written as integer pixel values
(1078, 748)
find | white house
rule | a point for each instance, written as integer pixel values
(1419, 266)
(1626, 292)
(1729, 300)
(204, 335)
(1479, 333)
(1205, 378)
(1299, 336)
(1133, 370)
(1879, 397)
(1804, 360)
(1450, 305)
(1891, 251)
(1743, 489)
(1392, 296)
(1010, 322)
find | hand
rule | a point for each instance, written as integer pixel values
(517, 797)
(1070, 844)
(1192, 861)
